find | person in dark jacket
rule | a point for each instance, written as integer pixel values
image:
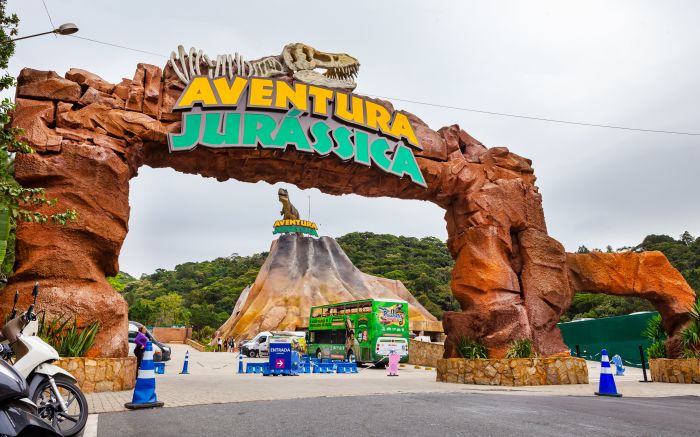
(140, 346)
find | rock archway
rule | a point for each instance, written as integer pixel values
(511, 278)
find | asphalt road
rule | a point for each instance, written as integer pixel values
(417, 415)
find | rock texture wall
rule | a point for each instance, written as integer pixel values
(648, 275)
(683, 371)
(101, 374)
(172, 335)
(510, 277)
(515, 372)
(423, 353)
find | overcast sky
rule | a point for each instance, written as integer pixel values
(629, 63)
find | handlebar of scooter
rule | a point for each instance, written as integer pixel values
(30, 315)
(16, 325)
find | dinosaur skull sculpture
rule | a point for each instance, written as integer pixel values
(297, 60)
(340, 68)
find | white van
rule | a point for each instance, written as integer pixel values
(259, 346)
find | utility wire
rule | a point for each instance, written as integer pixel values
(527, 117)
(456, 108)
(53, 26)
(118, 46)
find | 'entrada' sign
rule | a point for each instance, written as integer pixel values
(272, 114)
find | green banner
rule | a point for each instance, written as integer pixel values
(295, 229)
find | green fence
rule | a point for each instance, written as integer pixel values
(621, 335)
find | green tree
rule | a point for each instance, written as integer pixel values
(170, 311)
(202, 315)
(687, 239)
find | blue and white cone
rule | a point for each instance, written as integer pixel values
(606, 386)
(240, 362)
(145, 389)
(185, 364)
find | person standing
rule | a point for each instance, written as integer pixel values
(140, 346)
(219, 344)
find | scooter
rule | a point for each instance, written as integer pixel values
(18, 415)
(59, 400)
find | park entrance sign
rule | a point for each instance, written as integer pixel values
(274, 114)
(277, 119)
(295, 227)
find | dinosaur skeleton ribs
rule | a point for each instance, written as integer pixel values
(297, 60)
(228, 65)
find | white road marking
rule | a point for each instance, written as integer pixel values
(90, 429)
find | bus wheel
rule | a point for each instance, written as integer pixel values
(319, 355)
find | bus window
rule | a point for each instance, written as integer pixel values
(321, 337)
(338, 336)
(316, 312)
(325, 312)
(334, 311)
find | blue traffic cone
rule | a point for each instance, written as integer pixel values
(606, 386)
(240, 362)
(145, 388)
(185, 364)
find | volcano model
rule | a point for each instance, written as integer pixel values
(302, 272)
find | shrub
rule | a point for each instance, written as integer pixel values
(521, 348)
(657, 334)
(471, 349)
(657, 350)
(655, 329)
(690, 336)
(68, 339)
(204, 334)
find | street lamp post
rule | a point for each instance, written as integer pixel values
(63, 29)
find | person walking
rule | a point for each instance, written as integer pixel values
(140, 346)
(219, 344)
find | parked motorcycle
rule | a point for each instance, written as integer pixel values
(19, 415)
(59, 400)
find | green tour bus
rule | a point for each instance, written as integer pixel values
(362, 330)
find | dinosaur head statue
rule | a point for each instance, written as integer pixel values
(282, 194)
(340, 69)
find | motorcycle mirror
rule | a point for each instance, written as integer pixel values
(35, 293)
(14, 305)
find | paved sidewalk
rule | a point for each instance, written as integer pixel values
(213, 380)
